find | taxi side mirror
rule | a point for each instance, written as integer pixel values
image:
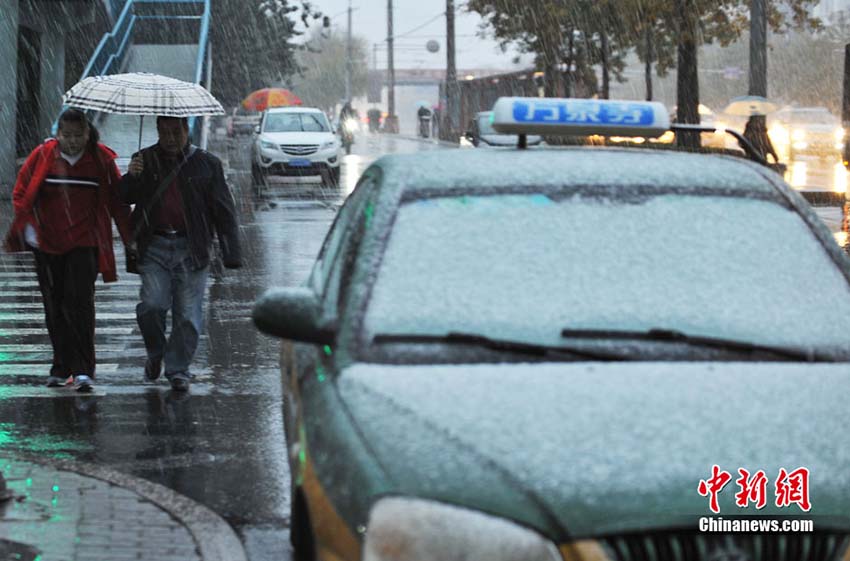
(292, 313)
(256, 129)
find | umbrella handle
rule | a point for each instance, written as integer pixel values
(141, 126)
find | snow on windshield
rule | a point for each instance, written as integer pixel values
(526, 266)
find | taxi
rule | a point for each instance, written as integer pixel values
(584, 353)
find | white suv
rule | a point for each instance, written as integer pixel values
(295, 141)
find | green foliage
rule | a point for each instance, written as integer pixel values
(320, 81)
(252, 44)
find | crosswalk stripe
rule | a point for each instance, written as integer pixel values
(106, 330)
(41, 348)
(43, 368)
(37, 305)
(6, 317)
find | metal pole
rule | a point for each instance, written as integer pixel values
(348, 59)
(392, 119)
(452, 108)
(845, 104)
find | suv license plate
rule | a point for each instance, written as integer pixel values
(300, 163)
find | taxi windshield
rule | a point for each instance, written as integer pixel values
(524, 267)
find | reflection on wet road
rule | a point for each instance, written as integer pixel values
(222, 445)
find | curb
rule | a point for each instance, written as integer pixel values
(214, 538)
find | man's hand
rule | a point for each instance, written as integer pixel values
(136, 166)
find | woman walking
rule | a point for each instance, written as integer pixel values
(65, 199)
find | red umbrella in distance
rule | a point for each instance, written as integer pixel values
(261, 100)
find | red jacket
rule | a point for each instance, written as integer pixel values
(30, 181)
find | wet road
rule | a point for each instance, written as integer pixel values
(222, 445)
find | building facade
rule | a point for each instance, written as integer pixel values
(33, 36)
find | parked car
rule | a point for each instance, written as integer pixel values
(480, 134)
(537, 355)
(242, 121)
(295, 141)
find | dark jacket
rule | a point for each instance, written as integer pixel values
(207, 203)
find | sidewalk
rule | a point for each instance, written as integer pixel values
(66, 510)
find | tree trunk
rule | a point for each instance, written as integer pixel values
(687, 78)
(606, 78)
(648, 62)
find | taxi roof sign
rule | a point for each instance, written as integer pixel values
(580, 117)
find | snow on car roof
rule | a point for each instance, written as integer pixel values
(445, 169)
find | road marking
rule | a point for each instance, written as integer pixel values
(31, 369)
(6, 317)
(108, 330)
(40, 348)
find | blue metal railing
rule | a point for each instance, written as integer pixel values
(108, 57)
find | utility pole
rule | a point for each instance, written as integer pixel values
(452, 101)
(348, 59)
(845, 105)
(391, 123)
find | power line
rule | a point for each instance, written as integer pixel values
(426, 24)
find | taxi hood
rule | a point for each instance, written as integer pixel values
(585, 449)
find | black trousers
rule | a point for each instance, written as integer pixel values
(67, 288)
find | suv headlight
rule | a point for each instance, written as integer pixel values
(328, 145)
(404, 529)
(268, 145)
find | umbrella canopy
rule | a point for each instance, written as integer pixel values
(261, 100)
(750, 105)
(141, 93)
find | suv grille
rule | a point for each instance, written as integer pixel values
(816, 546)
(299, 149)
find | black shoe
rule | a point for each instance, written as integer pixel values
(152, 369)
(56, 381)
(179, 382)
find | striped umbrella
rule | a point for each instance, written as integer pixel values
(141, 93)
(261, 100)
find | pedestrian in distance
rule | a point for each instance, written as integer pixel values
(65, 199)
(756, 132)
(182, 200)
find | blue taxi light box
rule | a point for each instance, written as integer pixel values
(580, 117)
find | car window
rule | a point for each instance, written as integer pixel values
(326, 274)
(295, 122)
(527, 266)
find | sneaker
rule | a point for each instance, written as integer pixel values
(82, 383)
(179, 381)
(153, 367)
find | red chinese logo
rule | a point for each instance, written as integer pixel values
(713, 486)
(753, 489)
(791, 488)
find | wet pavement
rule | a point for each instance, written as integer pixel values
(222, 445)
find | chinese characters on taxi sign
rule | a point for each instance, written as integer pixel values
(789, 488)
(581, 112)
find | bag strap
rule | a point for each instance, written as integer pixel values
(164, 184)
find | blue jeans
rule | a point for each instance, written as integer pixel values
(169, 282)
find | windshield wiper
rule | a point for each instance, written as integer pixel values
(507, 345)
(672, 335)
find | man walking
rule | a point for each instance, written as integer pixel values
(181, 199)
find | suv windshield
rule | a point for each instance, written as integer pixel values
(295, 122)
(525, 267)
